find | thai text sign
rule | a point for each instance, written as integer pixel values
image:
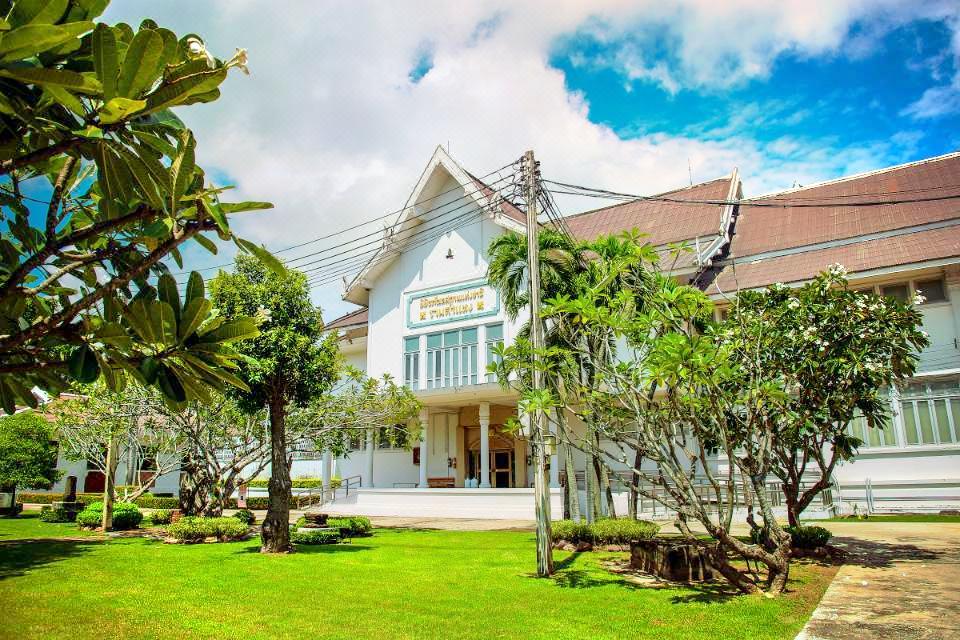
(451, 304)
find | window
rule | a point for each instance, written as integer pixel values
(493, 339)
(411, 362)
(931, 290)
(899, 292)
(452, 358)
(356, 441)
(931, 412)
(878, 436)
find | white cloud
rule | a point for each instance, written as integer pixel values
(330, 127)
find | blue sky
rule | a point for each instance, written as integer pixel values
(346, 101)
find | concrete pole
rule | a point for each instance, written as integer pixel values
(424, 425)
(326, 469)
(555, 455)
(484, 445)
(368, 481)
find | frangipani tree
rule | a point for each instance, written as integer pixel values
(355, 405)
(837, 350)
(98, 187)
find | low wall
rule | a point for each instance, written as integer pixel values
(488, 504)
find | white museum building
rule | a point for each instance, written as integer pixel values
(428, 318)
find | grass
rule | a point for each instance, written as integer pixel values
(395, 584)
(896, 517)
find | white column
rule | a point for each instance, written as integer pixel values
(555, 456)
(326, 469)
(484, 445)
(424, 424)
(368, 481)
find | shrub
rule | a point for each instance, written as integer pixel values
(571, 531)
(259, 502)
(126, 515)
(195, 529)
(354, 526)
(808, 537)
(315, 537)
(245, 516)
(162, 516)
(622, 530)
(148, 501)
(605, 531)
(296, 483)
(27, 497)
(54, 514)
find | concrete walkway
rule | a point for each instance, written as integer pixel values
(900, 581)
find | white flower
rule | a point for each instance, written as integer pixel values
(199, 50)
(837, 269)
(925, 334)
(918, 297)
(239, 60)
(263, 315)
(794, 303)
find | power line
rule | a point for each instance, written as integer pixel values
(361, 224)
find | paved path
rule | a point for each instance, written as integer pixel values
(900, 581)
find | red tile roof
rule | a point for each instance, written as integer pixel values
(352, 319)
(766, 229)
(663, 222)
(803, 234)
(861, 256)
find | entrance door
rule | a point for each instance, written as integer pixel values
(501, 469)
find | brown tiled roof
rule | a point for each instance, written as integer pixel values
(908, 248)
(662, 222)
(807, 232)
(352, 319)
(506, 208)
(766, 229)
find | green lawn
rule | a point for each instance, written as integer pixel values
(395, 584)
(897, 517)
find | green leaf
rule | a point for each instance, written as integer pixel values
(181, 169)
(83, 364)
(238, 207)
(104, 45)
(195, 288)
(193, 316)
(38, 11)
(30, 40)
(206, 243)
(45, 77)
(112, 333)
(232, 331)
(214, 211)
(170, 384)
(148, 369)
(267, 258)
(144, 177)
(7, 398)
(174, 93)
(118, 109)
(167, 292)
(4, 25)
(142, 64)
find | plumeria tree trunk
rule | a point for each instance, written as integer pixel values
(275, 533)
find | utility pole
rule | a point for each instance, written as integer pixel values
(537, 418)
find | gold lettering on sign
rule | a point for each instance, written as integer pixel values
(451, 305)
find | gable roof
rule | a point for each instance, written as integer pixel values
(504, 214)
(819, 225)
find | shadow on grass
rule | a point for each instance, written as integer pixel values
(24, 555)
(312, 548)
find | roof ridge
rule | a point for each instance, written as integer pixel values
(729, 176)
(347, 315)
(862, 174)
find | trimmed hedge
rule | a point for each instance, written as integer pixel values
(194, 529)
(126, 515)
(296, 483)
(315, 537)
(29, 497)
(355, 526)
(148, 501)
(605, 531)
